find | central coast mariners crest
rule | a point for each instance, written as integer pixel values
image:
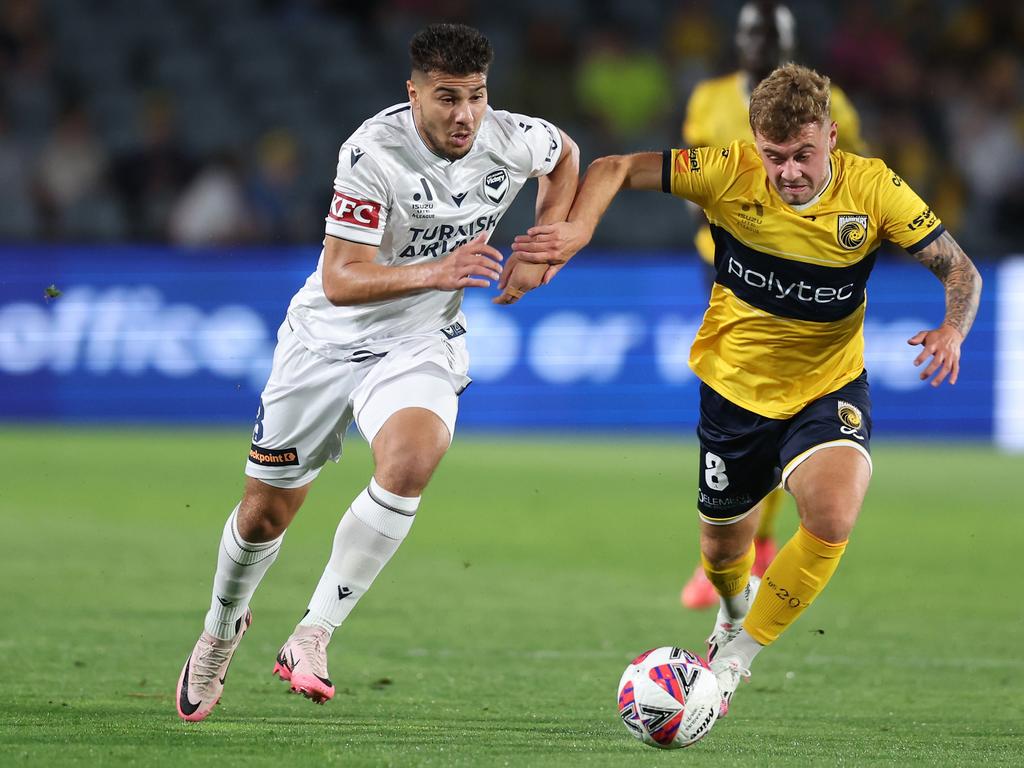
(496, 184)
(851, 417)
(852, 230)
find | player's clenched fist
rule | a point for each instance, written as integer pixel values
(472, 265)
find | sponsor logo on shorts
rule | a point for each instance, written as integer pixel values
(349, 210)
(850, 414)
(851, 418)
(852, 230)
(274, 457)
(706, 500)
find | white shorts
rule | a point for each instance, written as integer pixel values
(310, 401)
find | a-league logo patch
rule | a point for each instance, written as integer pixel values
(852, 230)
(496, 184)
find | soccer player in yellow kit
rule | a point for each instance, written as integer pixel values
(716, 115)
(784, 394)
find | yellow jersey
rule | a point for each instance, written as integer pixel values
(784, 325)
(717, 113)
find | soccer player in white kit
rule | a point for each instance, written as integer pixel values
(376, 336)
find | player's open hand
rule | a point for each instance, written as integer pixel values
(552, 244)
(942, 345)
(473, 265)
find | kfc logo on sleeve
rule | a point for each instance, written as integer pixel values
(349, 210)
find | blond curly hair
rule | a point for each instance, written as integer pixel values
(788, 99)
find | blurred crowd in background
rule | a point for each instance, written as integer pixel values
(219, 121)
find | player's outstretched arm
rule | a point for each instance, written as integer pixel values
(950, 264)
(557, 243)
(557, 190)
(555, 193)
(351, 276)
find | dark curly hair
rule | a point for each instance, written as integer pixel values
(454, 49)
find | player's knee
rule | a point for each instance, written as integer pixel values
(266, 512)
(406, 471)
(720, 552)
(407, 451)
(262, 528)
(830, 517)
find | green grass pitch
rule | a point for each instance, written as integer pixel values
(497, 635)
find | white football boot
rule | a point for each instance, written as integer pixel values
(202, 678)
(729, 672)
(302, 661)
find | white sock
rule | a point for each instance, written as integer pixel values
(240, 566)
(742, 646)
(367, 536)
(736, 607)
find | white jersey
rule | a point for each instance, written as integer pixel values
(392, 192)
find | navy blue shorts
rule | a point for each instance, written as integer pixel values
(744, 456)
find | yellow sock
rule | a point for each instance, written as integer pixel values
(731, 579)
(769, 511)
(796, 576)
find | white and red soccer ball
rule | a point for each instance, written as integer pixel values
(669, 698)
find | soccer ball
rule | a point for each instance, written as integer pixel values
(669, 698)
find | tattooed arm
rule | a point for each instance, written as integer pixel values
(958, 274)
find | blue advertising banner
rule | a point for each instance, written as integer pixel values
(159, 335)
(605, 346)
